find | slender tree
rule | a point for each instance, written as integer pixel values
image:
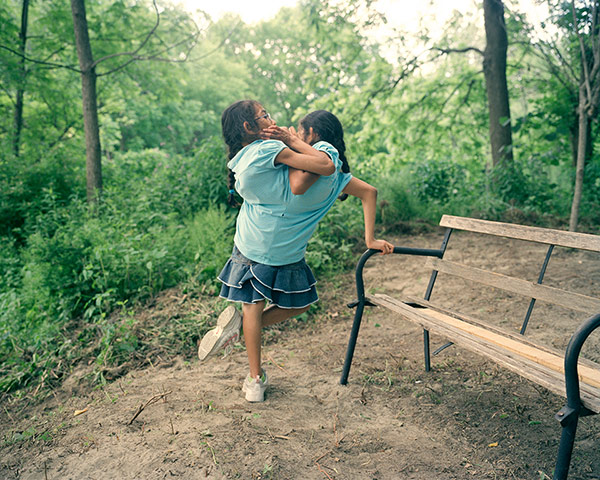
(494, 69)
(589, 94)
(89, 74)
(20, 96)
(89, 100)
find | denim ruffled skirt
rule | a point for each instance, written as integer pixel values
(287, 286)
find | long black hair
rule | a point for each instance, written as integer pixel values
(234, 134)
(327, 126)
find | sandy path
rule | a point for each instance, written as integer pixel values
(467, 419)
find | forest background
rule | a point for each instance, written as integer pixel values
(91, 228)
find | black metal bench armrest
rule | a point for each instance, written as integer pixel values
(572, 359)
(360, 284)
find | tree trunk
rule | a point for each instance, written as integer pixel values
(582, 143)
(18, 119)
(494, 69)
(574, 140)
(90, 105)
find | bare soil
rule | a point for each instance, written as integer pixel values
(466, 419)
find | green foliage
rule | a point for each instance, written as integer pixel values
(95, 262)
(397, 203)
(210, 237)
(30, 190)
(590, 209)
(83, 262)
(438, 181)
(331, 249)
(170, 183)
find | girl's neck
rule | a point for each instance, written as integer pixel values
(249, 141)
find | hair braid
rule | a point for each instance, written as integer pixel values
(231, 200)
(234, 134)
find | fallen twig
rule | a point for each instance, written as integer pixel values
(141, 408)
(323, 471)
(326, 453)
(282, 437)
(270, 358)
(335, 420)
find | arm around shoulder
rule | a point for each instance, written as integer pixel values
(313, 161)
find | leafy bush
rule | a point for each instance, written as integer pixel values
(169, 183)
(26, 186)
(590, 207)
(84, 262)
(10, 264)
(396, 200)
(209, 242)
(330, 250)
(437, 181)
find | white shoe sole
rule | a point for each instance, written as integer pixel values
(227, 332)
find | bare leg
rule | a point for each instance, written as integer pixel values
(253, 318)
(275, 314)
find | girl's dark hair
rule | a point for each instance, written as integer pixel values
(327, 126)
(234, 134)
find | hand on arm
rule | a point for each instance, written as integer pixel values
(368, 196)
(299, 155)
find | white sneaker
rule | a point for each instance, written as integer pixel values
(225, 334)
(254, 388)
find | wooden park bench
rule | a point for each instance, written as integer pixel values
(564, 374)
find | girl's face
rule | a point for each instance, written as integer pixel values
(261, 121)
(309, 136)
(262, 118)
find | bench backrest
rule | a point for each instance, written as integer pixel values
(533, 290)
(560, 238)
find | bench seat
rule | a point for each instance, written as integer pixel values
(535, 362)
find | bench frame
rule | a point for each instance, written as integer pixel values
(567, 416)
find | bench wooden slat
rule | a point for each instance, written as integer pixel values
(556, 296)
(554, 362)
(515, 336)
(584, 241)
(549, 373)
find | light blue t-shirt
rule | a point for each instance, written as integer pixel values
(274, 225)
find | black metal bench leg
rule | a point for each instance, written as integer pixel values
(568, 418)
(352, 342)
(426, 350)
(363, 301)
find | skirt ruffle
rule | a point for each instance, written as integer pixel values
(287, 286)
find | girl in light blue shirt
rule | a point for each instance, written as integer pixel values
(287, 186)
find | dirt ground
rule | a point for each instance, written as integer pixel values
(466, 419)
